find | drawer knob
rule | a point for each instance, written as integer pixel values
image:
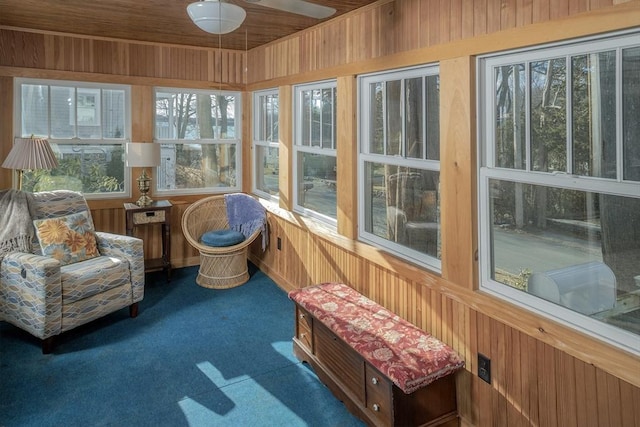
(302, 335)
(376, 407)
(374, 380)
(301, 316)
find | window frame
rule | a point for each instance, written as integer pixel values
(75, 141)
(264, 143)
(299, 148)
(487, 171)
(365, 156)
(237, 141)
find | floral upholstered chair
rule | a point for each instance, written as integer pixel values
(74, 274)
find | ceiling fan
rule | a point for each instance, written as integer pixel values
(299, 7)
(220, 17)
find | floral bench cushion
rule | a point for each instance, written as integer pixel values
(405, 354)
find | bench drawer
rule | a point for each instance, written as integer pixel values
(379, 396)
(304, 326)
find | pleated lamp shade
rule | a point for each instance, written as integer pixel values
(30, 154)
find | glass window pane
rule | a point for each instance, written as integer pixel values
(393, 109)
(316, 117)
(195, 116)
(274, 113)
(305, 125)
(414, 118)
(510, 120)
(267, 168)
(189, 166)
(577, 249)
(63, 112)
(85, 168)
(404, 206)
(432, 117)
(631, 113)
(267, 113)
(328, 113)
(113, 113)
(594, 114)
(88, 113)
(223, 114)
(376, 119)
(548, 115)
(317, 183)
(35, 110)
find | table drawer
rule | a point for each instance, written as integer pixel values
(148, 217)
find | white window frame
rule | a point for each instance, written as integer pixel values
(75, 140)
(260, 142)
(488, 170)
(237, 141)
(365, 156)
(298, 148)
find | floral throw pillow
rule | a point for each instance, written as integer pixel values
(67, 238)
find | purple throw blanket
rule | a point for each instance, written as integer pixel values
(246, 215)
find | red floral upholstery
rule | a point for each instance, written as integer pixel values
(407, 355)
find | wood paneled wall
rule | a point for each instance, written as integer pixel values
(543, 373)
(533, 383)
(387, 27)
(57, 52)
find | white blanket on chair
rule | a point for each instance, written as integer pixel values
(16, 228)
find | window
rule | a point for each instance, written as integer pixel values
(399, 168)
(87, 125)
(200, 141)
(265, 143)
(314, 151)
(560, 183)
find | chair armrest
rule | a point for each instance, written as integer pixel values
(129, 248)
(31, 293)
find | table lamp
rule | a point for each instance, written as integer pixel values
(143, 155)
(30, 154)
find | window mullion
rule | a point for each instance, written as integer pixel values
(425, 114)
(619, 118)
(384, 118)
(569, 114)
(527, 118)
(403, 116)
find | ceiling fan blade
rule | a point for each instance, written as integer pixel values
(299, 7)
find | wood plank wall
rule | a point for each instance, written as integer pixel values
(543, 374)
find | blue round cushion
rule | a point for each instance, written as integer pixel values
(222, 238)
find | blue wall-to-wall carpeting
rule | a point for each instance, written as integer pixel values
(193, 357)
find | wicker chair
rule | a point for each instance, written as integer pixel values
(220, 267)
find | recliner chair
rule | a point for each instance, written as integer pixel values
(45, 296)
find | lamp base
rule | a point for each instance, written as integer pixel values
(144, 200)
(144, 184)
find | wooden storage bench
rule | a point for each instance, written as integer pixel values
(386, 371)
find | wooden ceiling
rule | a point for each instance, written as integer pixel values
(164, 21)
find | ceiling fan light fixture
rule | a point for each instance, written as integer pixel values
(215, 16)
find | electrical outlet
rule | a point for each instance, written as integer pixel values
(279, 243)
(484, 368)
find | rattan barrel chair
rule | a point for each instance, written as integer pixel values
(221, 267)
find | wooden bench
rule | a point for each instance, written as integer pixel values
(387, 371)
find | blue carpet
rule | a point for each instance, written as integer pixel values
(193, 357)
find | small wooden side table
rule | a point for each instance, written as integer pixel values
(158, 212)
